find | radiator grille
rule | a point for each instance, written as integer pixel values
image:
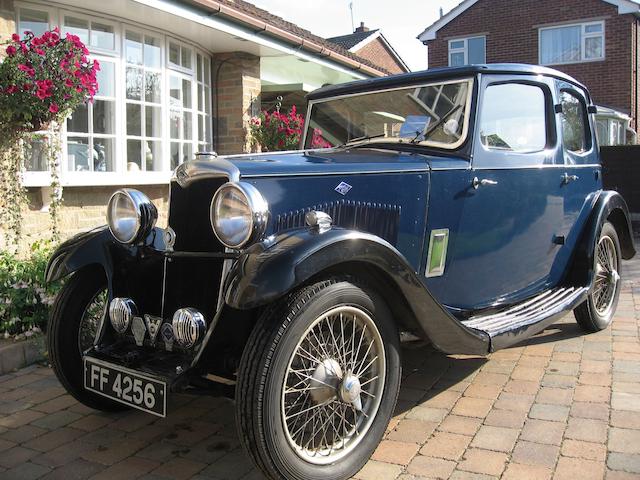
(376, 218)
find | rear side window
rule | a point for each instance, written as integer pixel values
(573, 121)
(513, 118)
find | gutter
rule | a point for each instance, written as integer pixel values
(259, 26)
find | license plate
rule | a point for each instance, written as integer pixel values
(125, 386)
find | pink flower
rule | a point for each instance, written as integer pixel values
(53, 108)
(12, 89)
(11, 50)
(23, 67)
(39, 51)
(15, 37)
(41, 94)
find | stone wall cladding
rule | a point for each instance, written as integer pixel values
(511, 27)
(7, 22)
(377, 52)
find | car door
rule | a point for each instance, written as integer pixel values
(508, 234)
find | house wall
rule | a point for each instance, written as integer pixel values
(511, 28)
(7, 22)
(377, 52)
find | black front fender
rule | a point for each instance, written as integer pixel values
(269, 270)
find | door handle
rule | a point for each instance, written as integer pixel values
(566, 178)
(476, 183)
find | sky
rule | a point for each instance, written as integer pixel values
(401, 21)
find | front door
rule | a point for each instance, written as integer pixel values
(510, 225)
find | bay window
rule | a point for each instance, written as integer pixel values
(152, 110)
(583, 42)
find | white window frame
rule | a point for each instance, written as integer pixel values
(583, 41)
(120, 175)
(465, 48)
(91, 19)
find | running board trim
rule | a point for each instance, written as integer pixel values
(527, 318)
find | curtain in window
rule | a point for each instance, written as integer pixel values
(560, 45)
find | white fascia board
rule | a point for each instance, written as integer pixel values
(430, 32)
(361, 44)
(228, 27)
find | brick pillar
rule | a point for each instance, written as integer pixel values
(7, 22)
(236, 84)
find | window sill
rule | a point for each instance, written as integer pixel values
(92, 179)
(577, 62)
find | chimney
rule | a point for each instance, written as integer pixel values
(441, 12)
(361, 28)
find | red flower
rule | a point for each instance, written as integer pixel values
(15, 37)
(53, 108)
(11, 89)
(41, 94)
(11, 50)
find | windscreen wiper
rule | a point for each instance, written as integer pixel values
(364, 138)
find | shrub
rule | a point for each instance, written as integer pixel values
(278, 131)
(24, 297)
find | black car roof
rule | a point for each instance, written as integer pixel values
(437, 74)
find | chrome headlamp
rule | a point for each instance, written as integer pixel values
(239, 214)
(130, 215)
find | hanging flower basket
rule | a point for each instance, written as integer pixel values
(43, 79)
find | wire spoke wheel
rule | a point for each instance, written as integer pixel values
(606, 276)
(90, 321)
(333, 385)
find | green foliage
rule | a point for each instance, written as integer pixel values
(24, 296)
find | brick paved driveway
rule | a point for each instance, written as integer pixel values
(563, 405)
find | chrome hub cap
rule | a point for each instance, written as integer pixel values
(333, 385)
(606, 276)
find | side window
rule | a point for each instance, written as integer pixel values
(513, 118)
(573, 122)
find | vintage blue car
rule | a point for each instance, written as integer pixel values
(463, 206)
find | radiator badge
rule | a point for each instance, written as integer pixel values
(153, 325)
(166, 332)
(139, 330)
(343, 188)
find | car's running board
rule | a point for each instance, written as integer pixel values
(527, 318)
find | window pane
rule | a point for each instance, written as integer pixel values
(175, 155)
(78, 154)
(152, 52)
(574, 131)
(186, 93)
(187, 152)
(602, 132)
(102, 36)
(134, 155)
(593, 48)
(199, 67)
(174, 124)
(560, 45)
(78, 121)
(175, 90)
(134, 83)
(153, 122)
(476, 50)
(185, 57)
(201, 128)
(513, 118)
(77, 26)
(207, 131)
(456, 59)
(593, 28)
(35, 154)
(174, 53)
(133, 48)
(152, 87)
(201, 98)
(34, 21)
(152, 156)
(134, 119)
(103, 154)
(207, 100)
(456, 44)
(188, 126)
(106, 78)
(207, 71)
(104, 116)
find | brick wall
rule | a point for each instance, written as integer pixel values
(7, 22)
(379, 53)
(511, 27)
(236, 78)
(83, 208)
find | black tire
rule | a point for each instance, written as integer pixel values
(68, 310)
(263, 371)
(588, 316)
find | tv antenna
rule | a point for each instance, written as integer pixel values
(353, 28)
